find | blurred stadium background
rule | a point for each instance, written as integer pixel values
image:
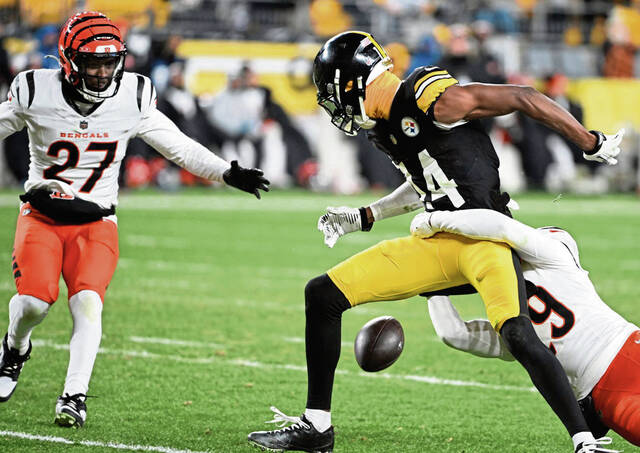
(204, 320)
(235, 75)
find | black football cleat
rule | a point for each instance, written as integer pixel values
(71, 410)
(300, 436)
(11, 363)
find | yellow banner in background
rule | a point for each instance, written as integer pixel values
(608, 104)
(246, 49)
(292, 100)
(212, 62)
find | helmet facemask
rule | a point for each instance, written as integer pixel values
(342, 82)
(97, 75)
(343, 102)
(92, 54)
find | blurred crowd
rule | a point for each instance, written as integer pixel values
(476, 40)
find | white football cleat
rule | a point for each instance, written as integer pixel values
(11, 363)
(596, 446)
(71, 410)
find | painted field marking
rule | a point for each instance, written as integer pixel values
(344, 344)
(451, 382)
(92, 443)
(624, 207)
(142, 240)
(432, 380)
(128, 353)
(170, 342)
(208, 266)
(169, 286)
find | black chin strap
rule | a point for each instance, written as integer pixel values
(74, 98)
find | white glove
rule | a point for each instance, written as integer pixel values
(338, 222)
(421, 226)
(607, 148)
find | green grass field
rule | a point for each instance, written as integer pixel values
(204, 324)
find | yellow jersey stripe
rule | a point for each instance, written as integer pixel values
(429, 81)
(432, 91)
(430, 74)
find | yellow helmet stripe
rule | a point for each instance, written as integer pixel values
(373, 41)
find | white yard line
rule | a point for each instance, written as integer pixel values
(128, 353)
(7, 286)
(141, 240)
(344, 344)
(305, 203)
(174, 286)
(629, 265)
(219, 201)
(433, 380)
(451, 382)
(215, 264)
(171, 342)
(93, 443)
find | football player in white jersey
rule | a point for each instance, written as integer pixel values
(598, 349)
(79, 120)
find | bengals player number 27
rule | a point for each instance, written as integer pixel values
(79, 120)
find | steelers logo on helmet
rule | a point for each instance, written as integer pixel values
(92, 54)
(410, 126)
(342, 69)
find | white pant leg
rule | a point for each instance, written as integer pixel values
(86, 311)
(25, 312)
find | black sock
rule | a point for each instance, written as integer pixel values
(543, 367)
(545, 371)
(324, 305)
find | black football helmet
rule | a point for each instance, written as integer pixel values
(343, 68)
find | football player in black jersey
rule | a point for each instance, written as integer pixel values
(427, 125)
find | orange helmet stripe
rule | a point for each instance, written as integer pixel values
(81, 28)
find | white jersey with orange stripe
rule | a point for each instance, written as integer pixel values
(566, 311)
(80, 154)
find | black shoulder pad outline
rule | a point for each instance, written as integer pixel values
(31, 86)
(153, 94)
(17, 93)
(141, 82)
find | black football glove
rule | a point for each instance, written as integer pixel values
(247, 179)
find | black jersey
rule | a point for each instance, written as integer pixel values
(450, 166)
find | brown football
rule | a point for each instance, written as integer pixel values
(379, 343)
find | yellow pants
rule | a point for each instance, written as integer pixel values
(404, 267)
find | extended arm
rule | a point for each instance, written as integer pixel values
(402, 200)
(10, 118)
(531, 245)
(339, 221)
(9, 121)
(476, 337)
(164, 136)
(479, 100)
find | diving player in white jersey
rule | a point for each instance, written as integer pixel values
(598, 349)
(79, 120)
